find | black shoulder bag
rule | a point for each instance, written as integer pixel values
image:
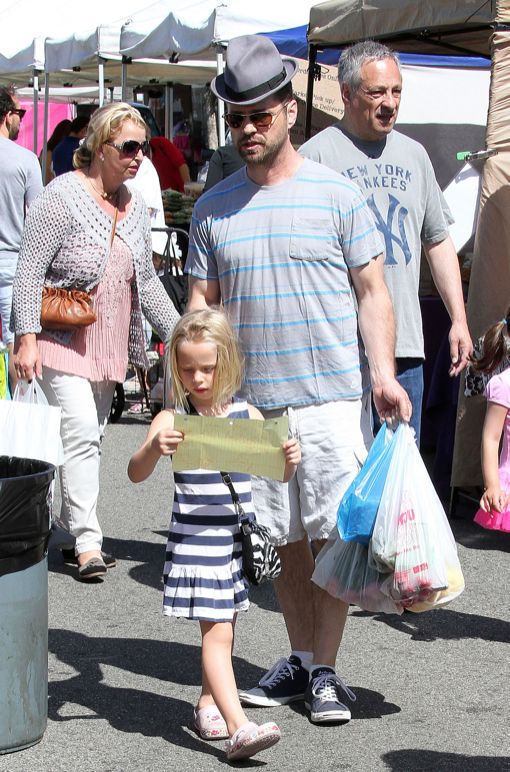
(260, 559)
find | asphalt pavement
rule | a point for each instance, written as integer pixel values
(432, 689)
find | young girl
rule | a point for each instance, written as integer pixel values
(494, 512)
(203, 568)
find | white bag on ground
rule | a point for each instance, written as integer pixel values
(412, 536)
(29, 427)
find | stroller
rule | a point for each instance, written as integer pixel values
(170, 271)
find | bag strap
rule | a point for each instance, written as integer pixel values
(241, 514)
(114, 226)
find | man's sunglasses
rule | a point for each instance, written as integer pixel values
(19, 111)
(259, 120)
(131, 147)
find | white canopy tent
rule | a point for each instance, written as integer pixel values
(202, 28)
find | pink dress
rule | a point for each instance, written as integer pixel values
(498, 391)
(99, 352)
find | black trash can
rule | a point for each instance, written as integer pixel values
(25, 515)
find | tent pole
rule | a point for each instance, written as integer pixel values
(123, 78)
(45, 125)
(35, 107)
(101, 81)
(221, 105)
(169, 110)
(312, 58)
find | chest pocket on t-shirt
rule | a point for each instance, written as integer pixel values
(311, 238)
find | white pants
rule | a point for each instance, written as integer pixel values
(85, 410)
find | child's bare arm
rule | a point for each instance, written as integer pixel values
(162, 440)
(493, 498)
(292, 451)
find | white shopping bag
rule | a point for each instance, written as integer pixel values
(412, 536)
(29, 427)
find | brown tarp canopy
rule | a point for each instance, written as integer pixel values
(416, 26)
(449, 27)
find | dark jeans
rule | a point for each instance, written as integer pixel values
(410, 377)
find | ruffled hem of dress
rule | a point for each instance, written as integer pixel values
(170, 611)
(493, 521)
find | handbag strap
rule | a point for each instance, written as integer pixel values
(241, 514)
(114, 226)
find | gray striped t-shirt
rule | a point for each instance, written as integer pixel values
(282, 254)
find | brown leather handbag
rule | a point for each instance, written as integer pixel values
(63, 309)
(67, 309)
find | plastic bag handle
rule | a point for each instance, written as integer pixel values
(29, 392)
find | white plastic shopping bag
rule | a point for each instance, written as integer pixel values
(345, 570)
(412, 536)
(29, 427)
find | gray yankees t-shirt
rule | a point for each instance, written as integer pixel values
(398, 182)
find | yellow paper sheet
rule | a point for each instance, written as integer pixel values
(232, 445)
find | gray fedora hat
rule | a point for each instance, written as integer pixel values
(254, 70)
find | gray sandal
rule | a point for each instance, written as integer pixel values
(94, 568)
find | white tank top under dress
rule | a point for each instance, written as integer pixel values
(203, 567)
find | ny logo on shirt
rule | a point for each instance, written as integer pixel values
(397, 214)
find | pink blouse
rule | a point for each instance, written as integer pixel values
(99, 352)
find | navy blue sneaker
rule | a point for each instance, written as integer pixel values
(322, 697)
(285, 682)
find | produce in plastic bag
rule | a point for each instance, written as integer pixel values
(346, 571)
(358, 508)
(412, 537)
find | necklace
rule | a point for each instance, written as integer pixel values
(112, 198)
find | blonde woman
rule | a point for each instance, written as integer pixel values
(87, 231)
(203, 570)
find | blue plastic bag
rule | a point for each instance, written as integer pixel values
(358, 508)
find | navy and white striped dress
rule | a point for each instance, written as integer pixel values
(203, 567)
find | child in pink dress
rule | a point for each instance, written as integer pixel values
(494, 512)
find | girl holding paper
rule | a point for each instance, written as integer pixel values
(203, 568)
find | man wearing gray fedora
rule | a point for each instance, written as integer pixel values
(291, 250)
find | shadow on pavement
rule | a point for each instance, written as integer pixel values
(368, 705)
(472, 536)
(423, 761)
(150, 558)
(130, 709)
(444, 624)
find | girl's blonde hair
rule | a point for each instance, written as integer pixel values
(496, 346)
(104, 125)
(209, 325)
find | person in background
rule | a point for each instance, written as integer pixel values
(494, 512)
(171, 166)
(224, 161)
(62, 158)
(88, 231)
(60, 131)
(396, 178)
(147, 182)
(20, 183)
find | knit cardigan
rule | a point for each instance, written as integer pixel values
(66, 243)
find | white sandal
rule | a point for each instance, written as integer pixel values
(209, 724)
(249, 739)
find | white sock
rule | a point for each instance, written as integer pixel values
(317, 666)
(306, 658)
